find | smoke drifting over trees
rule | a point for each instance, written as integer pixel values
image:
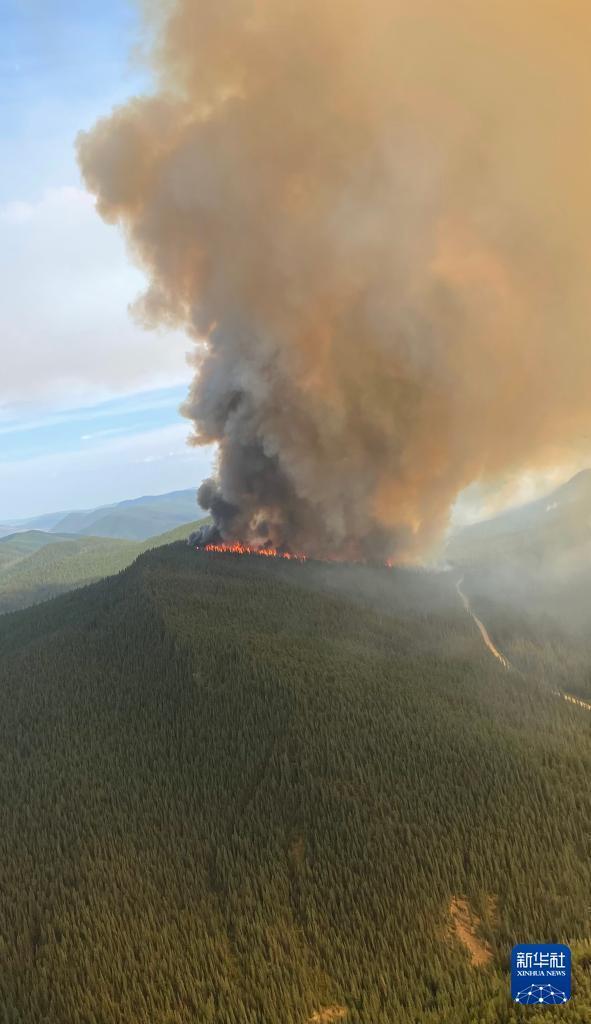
(378, 216)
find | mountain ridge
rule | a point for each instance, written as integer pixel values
(131, 519)
(255, 788)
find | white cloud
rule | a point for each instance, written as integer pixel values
(17, 212)
(102, 433)
(65, 330)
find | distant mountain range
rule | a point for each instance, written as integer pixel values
(553, 531)
(136, 519)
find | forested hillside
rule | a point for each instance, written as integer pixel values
(15, 546)
(248, 791)
(36, 566)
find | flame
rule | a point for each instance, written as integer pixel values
(245, 549)
(237, 548)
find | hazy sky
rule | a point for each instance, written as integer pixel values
(88, 399)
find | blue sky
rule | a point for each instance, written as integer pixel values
(88, 399)
(71, 430)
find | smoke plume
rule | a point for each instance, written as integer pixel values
(374, 220)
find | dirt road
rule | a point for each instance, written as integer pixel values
(500, 656)
(483, 630)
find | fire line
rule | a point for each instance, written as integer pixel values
(246, 549)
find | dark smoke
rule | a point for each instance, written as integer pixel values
(209, 534)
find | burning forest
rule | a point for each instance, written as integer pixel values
(373, 221)
(243, 549)
(209, 539)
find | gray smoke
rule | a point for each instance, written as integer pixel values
(208, 534)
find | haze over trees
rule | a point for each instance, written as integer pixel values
(528, 571)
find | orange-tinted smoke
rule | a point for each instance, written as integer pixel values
(379, 215)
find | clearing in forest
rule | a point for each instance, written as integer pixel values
(465, 925)
(327, 1016)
